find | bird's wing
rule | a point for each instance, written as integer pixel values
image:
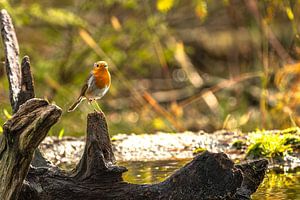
(85, 86)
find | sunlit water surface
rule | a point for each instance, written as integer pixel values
(275, 186)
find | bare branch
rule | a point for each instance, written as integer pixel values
(11, 46)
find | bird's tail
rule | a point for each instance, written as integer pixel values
(75, 104)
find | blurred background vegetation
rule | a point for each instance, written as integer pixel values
(176, 65)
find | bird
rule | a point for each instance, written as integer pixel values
(96, 85)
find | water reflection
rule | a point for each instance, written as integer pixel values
(279, 187)
(150, 172)
(275, 186)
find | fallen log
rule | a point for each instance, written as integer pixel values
(207, 176)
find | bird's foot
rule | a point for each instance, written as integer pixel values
(96, 106)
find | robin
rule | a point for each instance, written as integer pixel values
(96, 85)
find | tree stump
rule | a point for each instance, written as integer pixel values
(207, 176)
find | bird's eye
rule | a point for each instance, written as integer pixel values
(97, 65)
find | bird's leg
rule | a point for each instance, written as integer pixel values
(96, 105)
(89, 99)
(90, 102)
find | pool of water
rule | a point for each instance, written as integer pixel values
(276, 186)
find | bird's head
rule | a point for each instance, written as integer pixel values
(100, 65)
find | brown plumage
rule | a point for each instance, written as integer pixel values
(96, 85)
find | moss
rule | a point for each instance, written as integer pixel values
(238, 144)
(199, 150)
(256, 150)
(273, 144)
(292, 130)
(293, 141)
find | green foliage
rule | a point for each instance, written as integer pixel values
(24, 15)
(201, 9)
(113, 139)
(61, 133)
(164, 5)
(55, 16)
(273, 144)
(6, 113)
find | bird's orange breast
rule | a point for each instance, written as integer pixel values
(102, 77)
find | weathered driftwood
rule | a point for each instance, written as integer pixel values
(21, 86)
(31, 121)
(27, 87)
(20, 79)
(98, 157)
(254, 173)
(21, 136)
(207, 176)
(12, 65)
